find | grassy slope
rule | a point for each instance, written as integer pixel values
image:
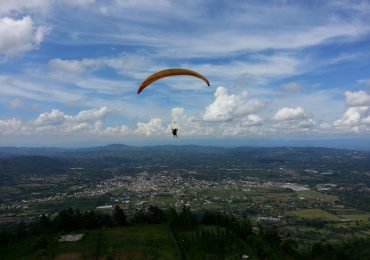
(136, 242)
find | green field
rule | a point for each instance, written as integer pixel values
(357, 217)
(217, 192)
(313, 214)
(311, 194)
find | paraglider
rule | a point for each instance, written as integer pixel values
(168, 73)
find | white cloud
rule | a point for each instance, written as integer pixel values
(10, 126)
(121, 130)
(92, 115)
(251, 120)
(357, 116)
(355, 119)
(56, 121)
(359, 98)
(55, 117)
(178, 115)
(69, 66)
(19, 35)
(228, 106)
(352, 116)
(152, 128)
(287, 113)
(292, 121)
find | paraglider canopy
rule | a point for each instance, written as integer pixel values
(168, 73)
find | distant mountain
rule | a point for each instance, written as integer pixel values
(33, 164)
(41, 151)
(120, 149)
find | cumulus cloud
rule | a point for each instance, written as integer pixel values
(287, 113)
(19, 35)
(359, 98)
(356, 118)
(57, 121)
(178, 115)
(87, 122)
(55, 117)
(152, 128)
(251, 120)
(228, 106)
(352, 116)
(121, 130)
(10, 126)
(228, 115)
(292, 121)
(92, 115)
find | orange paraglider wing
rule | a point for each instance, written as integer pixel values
(168, 73)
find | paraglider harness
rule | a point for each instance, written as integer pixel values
(174, 132)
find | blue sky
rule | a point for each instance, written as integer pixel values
(279, 70)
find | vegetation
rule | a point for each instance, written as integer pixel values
(155, 234)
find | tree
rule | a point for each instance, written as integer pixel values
(119, 217)
(156, 215)
(42, 226)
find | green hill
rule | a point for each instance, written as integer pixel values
(142, 241)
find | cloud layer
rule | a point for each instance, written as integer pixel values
(240, 118)
(277, 69)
